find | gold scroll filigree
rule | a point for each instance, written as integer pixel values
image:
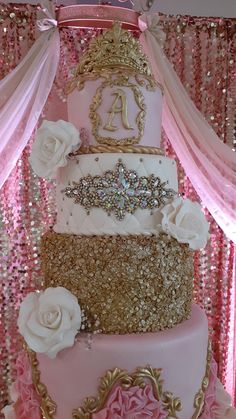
(140, 378)
(47, 405)
(96, 120)
(171, 404)
(114, 48)
(147, 83)
(200, 396)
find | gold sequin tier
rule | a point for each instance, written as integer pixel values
(123, 284)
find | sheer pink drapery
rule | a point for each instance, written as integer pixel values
(209, 163)
(23, 93)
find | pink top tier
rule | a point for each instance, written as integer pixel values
(113, 95)
(79, 112)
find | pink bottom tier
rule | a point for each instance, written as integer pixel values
(181, 353)
(77, 373)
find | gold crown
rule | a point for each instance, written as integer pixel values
(115, 48)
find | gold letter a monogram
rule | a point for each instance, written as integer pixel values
(120, 95)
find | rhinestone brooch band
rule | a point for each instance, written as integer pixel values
(120, 191)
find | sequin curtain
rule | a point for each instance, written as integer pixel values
(203, 53)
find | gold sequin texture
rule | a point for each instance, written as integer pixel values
(124, 284)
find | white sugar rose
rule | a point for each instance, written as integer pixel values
(185, 221)
(52, 144)
(49, 320)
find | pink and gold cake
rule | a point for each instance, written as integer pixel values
(115, 334)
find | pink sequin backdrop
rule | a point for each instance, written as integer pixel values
(203, 53)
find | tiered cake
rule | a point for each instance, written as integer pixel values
(122, 245)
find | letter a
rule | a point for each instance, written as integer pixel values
(120, 96)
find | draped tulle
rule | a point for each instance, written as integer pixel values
(209, 163)
(23, 93)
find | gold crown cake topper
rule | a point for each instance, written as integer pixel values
(115, 48)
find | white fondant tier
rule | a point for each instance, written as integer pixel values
(180, 352)
(79, 112)
(73, 218)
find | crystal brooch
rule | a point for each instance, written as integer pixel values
(120, 191)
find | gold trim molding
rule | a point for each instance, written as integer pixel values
(117, 149)
(78, 81)
(47, 406)
(114, 48)
(139, 378)
(199, 399)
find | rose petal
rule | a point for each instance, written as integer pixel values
(63, 298)
(36, 328)
(184, 220)
(67, 342)
(198, 243)
(35, 343)
(50, 316)
(192, 223)
(65, 320)
(76, 319)
(181, 234)
(51, 295)
(133, 403)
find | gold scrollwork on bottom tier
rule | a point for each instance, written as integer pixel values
(47, 405)
(139, 378)
(199, 399)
